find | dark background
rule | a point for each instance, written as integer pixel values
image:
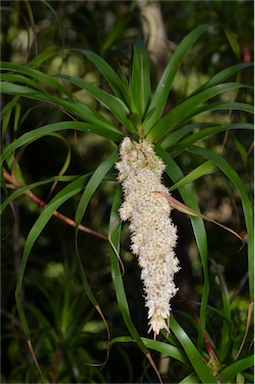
(60, 316)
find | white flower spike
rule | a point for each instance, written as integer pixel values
(153, 234)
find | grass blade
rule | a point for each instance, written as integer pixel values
(228, 374)
(139, 85)
(210, 131)
(23, 189)
(159, 99)
(82, 111)
(158, 346)
(50, 129)
(190, 379)
(36, 75)
(176, 174)
(202, 170)
(112, 103)
(93, 184)
(202, 370)
(226, 168)
(68, 192)
(226, 328)
(222, 76)
(182, 112)
(116, 273)
(108, 73)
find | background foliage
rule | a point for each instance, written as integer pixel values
(69, 336)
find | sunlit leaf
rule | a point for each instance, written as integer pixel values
(203, 371)
(139, 84)
(159, 99)
(181, 112)
(226, 168)
(229, 373)
(202, 170)
(187, 194)
(51, 129)
(106, 70)
(112, 103)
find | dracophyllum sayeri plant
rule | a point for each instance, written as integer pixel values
(147, 142)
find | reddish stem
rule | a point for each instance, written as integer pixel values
(59, 215)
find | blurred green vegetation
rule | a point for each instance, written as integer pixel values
(71, 337)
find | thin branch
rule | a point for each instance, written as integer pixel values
(59, 215)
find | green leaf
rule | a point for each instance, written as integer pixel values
(190, 379)
(51, 128)
(207, 132)
(93, 184)
(66, 193)
(229, 373)
(167, 349)
(36, 75)
(159, 99)
(43, 56)
(115, 32)
(109, 74)
(182, 111)
(202, 370)
(115, 227)
(242, 150)
(158, 346)
(222, 76)
(22, 190)
(233, 42)
(222, 106)
(179, 133)
(84, 112)
(16, 78)
(226, 168)
(226, 327)
(42, 319)
(6, 114)
(187, 194)
(202, 170)
(139, 84)
(112, 103)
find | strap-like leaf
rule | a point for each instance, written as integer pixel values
(226, 168)
(139, 84)
(159, 346)
(116, 273)
(82, 111)
(202, 170)
(182, 111)
(51, 128)
(228, 374)
(66, 193)
(210, 131)
(112, 103)
(36, 75)
(159, 99)
(93, 184)
(187, 210)
(202, 370)
(176, 174)
(222, 76)
(108, 73)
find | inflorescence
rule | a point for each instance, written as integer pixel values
(153, 235)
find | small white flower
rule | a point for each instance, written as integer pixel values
(153, 235)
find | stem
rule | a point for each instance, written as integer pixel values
(59, 215)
